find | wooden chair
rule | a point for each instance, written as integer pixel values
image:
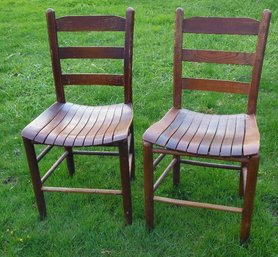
(182, 132)
(71, 125)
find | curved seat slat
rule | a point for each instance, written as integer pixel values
(79, 125)
(206, 134)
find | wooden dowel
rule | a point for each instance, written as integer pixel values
(164, 174)
(82, 190)
(158, 160)
(212, 165)
(44, 152)
(53, 167)
(83, 152)
(198, 204)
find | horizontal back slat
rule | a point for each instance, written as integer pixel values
(222, 57)
(216, 85)
(91, 52)
(212, 25)
(90, 23)
(93, 79)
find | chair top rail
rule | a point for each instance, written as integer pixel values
(90, 23)
(221, 25)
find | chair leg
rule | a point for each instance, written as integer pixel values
(148, 185)
(35, 175)
(132, 151)
(176, 171)
(125, 179)
(70, 162)
(249, 195)
(241, 181)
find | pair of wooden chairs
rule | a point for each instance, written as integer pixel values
(180, 132)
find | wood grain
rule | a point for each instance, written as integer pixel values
(96, 52)
(90, 23)
(216, 25)
(205, 134)
(223, 86)
(213, 56)
(93, 79)
(258, 62)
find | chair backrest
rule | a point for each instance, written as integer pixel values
(91, 23)
(228, 26)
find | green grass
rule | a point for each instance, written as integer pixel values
(90, 225)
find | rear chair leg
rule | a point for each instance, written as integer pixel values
(132, 172)
(252, 172)
(70, 162)
(125, 179)
(176, 171)
(35, 175)
(241, 181)
(148, 184)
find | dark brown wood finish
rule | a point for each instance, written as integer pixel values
(148, 184)
(258, 62)
(223, 86)
(54, 53)
(35, 175)
(125, 179)
(176, 171)
(216, 25)
(221, 57)
(91, 52)
(128, 54)
(69, 125)
(178, 59)
(231, 138)
(91, 23)
(90, 79)
(249, 195)
(205, 134)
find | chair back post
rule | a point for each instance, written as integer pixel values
(258, 62)
(129, 30)
(177, 101)
(54, 52)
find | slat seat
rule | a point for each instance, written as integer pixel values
(67, 124)
(206, 134)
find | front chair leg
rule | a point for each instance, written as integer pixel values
(70, 162)
(125, 179)
(148, 184)
(249, 195)
(35, 175)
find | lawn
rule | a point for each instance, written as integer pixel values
(92, 225)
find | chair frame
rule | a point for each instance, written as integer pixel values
(125, 147)
(248, 165)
